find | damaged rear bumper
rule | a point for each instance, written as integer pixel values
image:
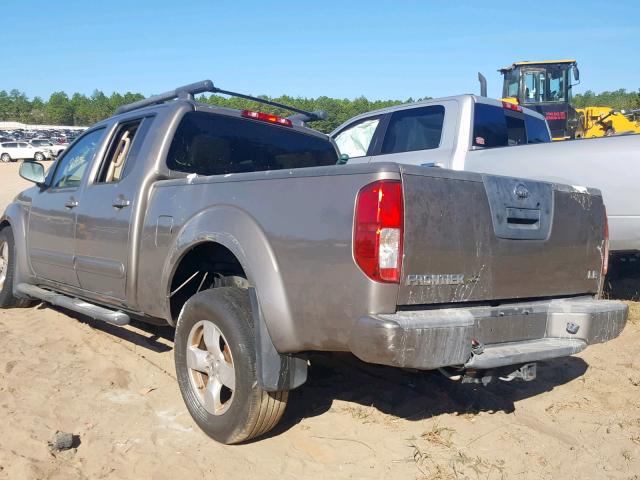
(508, 334)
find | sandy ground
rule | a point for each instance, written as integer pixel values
(115, 389)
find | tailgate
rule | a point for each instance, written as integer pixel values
(471, 237)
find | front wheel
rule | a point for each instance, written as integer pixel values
(7, 271)
(215, 360)
(5, 158)
(39, 157)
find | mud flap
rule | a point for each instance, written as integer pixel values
(274, 370)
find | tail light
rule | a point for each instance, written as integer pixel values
(378, 230)
(267, 117)
(605, 248)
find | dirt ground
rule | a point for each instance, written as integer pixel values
(115, 389)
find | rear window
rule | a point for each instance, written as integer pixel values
(414, 129)
(210, 144)
(496, 127)
(537, 131)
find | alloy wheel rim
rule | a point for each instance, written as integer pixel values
(4, 262)
(211, 369)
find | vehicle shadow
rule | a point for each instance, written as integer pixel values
(623, 280)
(408, 394)
(413, 395)
(138, 333)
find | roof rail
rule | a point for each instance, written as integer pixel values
(206, 86)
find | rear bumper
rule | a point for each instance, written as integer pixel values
(510, 334)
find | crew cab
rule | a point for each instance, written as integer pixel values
(242, 230)
(467, 132)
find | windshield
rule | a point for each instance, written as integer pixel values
(545, 85)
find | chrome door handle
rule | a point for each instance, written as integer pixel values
(121, 202)
(71, 203)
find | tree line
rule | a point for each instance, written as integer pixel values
(617, 99)
(82, 110)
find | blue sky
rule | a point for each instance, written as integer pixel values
(341, 49)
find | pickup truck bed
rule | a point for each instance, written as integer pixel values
(239, 229)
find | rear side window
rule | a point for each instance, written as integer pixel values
(414, 129)
(495, 127)
(537, 131)
(211, 144)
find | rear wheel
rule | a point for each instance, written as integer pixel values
(7, 270)
(5, 158)
(215, 359)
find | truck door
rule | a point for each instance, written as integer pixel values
(52, 217)
(105, 214)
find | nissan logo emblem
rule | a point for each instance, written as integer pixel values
(521, 191)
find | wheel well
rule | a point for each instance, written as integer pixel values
(4, 224)
(207, 265)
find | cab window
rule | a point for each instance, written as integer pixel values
(211, 144)
(537, 131)
(414, 129)
(73, 164)
(493, 127)
(356, 139)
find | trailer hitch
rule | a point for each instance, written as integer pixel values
(525, 372)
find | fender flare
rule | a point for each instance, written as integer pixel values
(241, 234)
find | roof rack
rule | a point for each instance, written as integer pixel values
(187, 92)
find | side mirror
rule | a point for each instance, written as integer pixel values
(344, 158)
(576, 73)
(32, 171)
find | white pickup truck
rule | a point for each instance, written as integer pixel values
(468, 132)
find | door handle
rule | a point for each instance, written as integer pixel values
(121, 202)
(71, 203)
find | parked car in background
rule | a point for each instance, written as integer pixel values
(12, 151)
(468, 132)
(54, 148)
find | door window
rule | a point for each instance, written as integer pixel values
(533, 85)
(556, 85)
(356, 139)
(113, 167)
(414, 129)
(70, 170)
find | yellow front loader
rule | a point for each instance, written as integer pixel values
(605, 121)
(545, 86)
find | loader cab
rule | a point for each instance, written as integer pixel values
(545, 87)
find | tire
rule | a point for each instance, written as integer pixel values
(244, 411)
(7, 271)
(5, 158)
(39, 157)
